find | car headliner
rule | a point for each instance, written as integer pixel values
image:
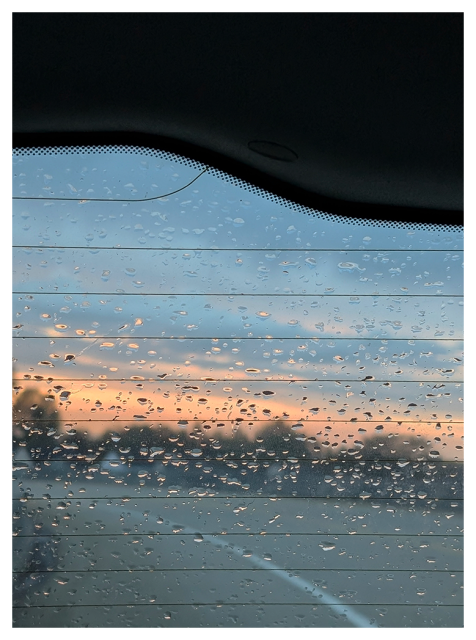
(352, 113)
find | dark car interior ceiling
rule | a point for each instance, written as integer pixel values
(359, 114)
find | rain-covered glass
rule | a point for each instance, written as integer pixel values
(228, 409)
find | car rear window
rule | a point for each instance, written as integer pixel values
(228, 409)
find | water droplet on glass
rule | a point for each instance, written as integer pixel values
(327, 546)
(364, 495)
(348, 267)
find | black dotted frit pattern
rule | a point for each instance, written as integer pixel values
(230, 179)
(108, 150)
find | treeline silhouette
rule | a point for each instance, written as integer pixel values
(38, 430)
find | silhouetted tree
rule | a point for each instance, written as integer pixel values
(35, 421)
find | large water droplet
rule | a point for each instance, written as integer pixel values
(327, 546)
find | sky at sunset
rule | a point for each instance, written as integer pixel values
(215, 303)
